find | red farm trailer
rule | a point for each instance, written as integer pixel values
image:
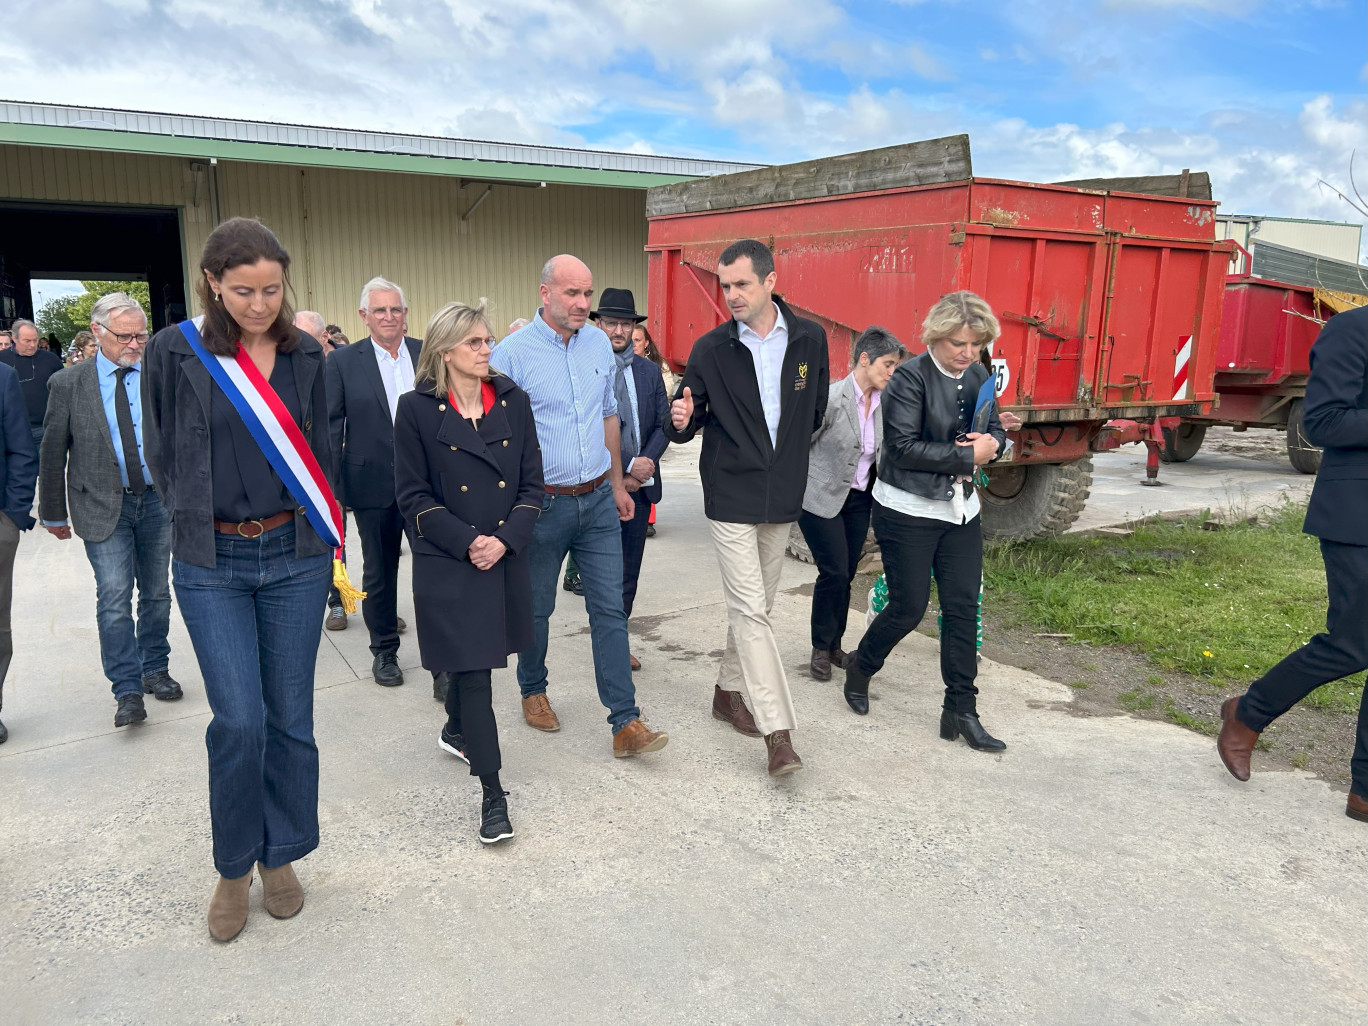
(1110, 302)
(1262, 363)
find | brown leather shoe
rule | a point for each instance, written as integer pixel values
(782, 758)
(538, 713)
(336, 619)
(1357, 807)
(820, 667)
(634, 662)
(636, 738)
(228, 907)
(729, 708)
(284, 893)
(1236, 741)
(838, 657)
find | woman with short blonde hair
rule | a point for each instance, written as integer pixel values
(468, 479)
(926, 511)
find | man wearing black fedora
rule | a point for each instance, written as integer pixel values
(642, 405)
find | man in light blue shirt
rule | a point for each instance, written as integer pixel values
(92, 453)
(567, 368)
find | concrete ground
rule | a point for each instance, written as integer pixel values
(1102, 870)
(1216, 478)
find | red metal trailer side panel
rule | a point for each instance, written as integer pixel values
(1110, 303)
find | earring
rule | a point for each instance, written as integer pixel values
(218, 298)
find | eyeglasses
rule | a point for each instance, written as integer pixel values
(140, 337)
(476, 344)
(386, 311)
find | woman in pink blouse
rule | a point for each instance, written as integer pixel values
(837, 503)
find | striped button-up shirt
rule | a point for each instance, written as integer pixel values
(571, 388)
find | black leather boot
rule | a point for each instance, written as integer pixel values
(954, 724)
(856, 687)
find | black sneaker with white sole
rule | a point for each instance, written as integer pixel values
(494, 824)
(453, 744)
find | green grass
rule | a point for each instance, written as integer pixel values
(1223, 605)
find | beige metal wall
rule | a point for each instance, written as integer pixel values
(1324, 238)
(343, 227)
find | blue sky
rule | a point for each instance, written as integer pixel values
(1266, 96)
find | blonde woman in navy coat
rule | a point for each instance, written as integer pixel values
(468, 475)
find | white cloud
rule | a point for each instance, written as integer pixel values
(784, 79)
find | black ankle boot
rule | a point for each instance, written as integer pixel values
(856, 687)
(954, 724)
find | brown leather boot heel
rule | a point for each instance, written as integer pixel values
(228, 907)
(284, 893)
(729, 708)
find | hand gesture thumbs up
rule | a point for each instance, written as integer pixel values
(681, 410)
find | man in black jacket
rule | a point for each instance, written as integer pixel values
(364, 383)
(642, 408)
(1336, 419)
(758, 386)
(18, 477)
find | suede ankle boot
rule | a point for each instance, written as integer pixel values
(228, 907)
(284, 893)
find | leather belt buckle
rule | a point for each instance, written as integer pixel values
(260, 529)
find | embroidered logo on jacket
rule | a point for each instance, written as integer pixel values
(800, 382)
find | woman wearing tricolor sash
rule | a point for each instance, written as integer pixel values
(236, 434)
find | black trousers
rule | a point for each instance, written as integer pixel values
(633, 548)
(1341, 651)
(381, 531)
(334, 598)
(912, 547)
(836, 543)
(470, 713)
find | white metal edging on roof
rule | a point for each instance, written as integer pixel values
(232, 130)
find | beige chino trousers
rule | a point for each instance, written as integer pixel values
(751, 557)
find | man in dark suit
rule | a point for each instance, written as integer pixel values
(92, 451)
(18, 474)
(364, 383)
(642, 405)
(1336, 419)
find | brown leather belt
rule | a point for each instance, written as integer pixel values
(254, 528)
(579, 489)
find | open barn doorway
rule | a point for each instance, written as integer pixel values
(88, 241)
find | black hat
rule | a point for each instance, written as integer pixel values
(620, 304)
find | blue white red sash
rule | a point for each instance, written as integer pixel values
(281, 441)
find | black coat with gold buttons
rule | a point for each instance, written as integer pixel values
(453, 484)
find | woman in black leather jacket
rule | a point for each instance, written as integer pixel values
(926, 512)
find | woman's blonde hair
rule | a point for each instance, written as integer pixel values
(957, 310)
(447, 329)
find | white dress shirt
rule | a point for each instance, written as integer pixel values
(954, 510)
(768, 353)
(396, 372)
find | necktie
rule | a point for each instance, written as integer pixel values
(123, 416)
(630, 444)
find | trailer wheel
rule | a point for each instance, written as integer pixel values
(1034, 500)
(1305, 457)
(1182, 443)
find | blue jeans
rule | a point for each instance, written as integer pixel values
(253, 619)
(139, 551)
(587, 527)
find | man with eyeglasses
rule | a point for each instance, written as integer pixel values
(642, 406)
(364, 383)
(92, 458)
(33, 366)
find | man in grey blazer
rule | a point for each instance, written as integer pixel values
(91, 462)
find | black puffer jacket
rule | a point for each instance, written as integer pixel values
(923, 411)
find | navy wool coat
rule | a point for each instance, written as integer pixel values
(454, 483)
